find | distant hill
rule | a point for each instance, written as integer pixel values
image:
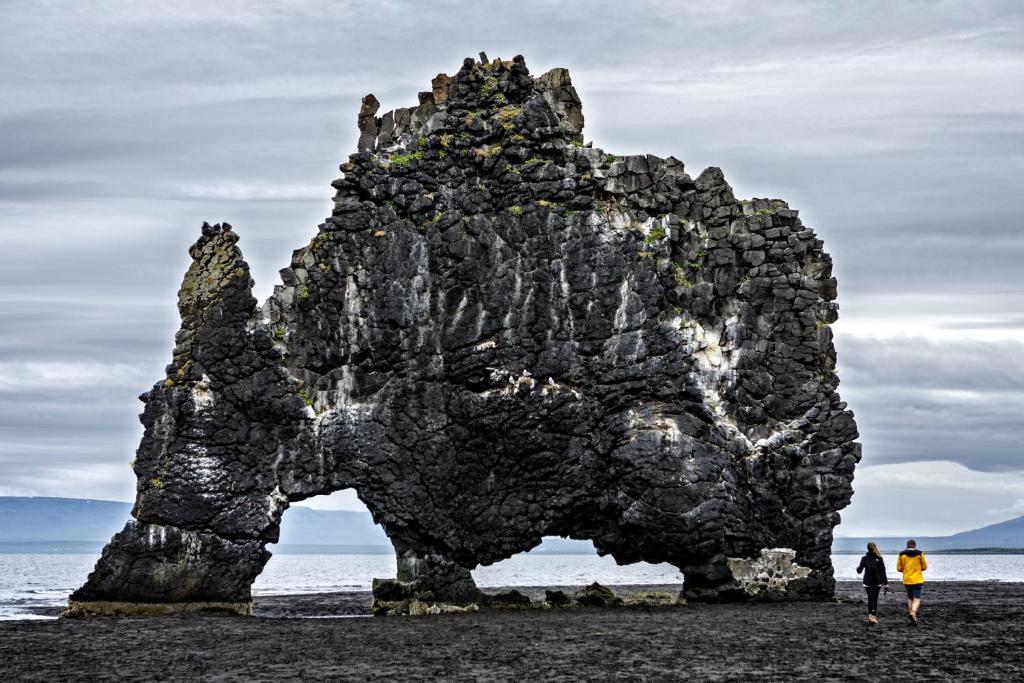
(76, 525)
(36, 520)
(37, 524)
(1008, 534)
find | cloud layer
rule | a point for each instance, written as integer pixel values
(897, 129)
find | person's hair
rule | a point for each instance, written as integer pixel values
(873, 549)
(911, 543)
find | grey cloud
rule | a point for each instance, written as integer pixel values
(1012, 322)
(955, 400)
(918, 363)
(893, 127)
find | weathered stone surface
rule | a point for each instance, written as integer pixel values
(499, 335)
(557, 598)
(596, 595)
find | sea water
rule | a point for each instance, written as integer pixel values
(44, 580)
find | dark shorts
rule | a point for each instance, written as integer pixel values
(914, 590)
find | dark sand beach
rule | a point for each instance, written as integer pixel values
(969, 631)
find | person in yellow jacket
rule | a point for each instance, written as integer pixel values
(912, 563)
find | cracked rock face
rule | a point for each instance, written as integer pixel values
(502, 334)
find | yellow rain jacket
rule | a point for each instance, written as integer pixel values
(911, 562)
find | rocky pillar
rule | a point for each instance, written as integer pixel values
(368, 124)
(216, 427)
(428, 578)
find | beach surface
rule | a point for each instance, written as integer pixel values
(968, 631)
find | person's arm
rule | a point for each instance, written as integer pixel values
(860, 567)
(885, 579)
(924, 563)
(899, 563)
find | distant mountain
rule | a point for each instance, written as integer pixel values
(35, 520)
(37, 524)
(60, 519)
(75, 525)
(1008, 534)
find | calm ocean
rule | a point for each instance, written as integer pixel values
(34, 580)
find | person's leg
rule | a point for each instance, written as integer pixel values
(913, 602)
(873, 599)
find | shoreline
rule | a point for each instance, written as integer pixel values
(356, 603)
(969, 630)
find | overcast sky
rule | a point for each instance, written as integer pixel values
(897, 129)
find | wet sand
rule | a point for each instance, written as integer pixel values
(969, 631)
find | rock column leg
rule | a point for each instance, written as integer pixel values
(424, 577)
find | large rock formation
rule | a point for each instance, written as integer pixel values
(502, 334)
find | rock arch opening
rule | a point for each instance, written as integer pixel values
(569, 566)
(327, 544)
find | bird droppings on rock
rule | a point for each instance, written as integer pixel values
(502, 333)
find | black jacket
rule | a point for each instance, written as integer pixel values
(874, 570)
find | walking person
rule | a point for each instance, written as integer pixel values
(873, 567)
(912, 563)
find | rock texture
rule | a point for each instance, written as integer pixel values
(502, 334)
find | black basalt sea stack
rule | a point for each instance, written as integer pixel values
(501, 334)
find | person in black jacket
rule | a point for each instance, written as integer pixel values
(873, 567)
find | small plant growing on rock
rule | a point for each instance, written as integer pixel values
(445, 140)
(645, 254)
(680, 276)
(402, 160)
(515, 210)
(303, 292)
(509, 168)
(569, 213)
(611, 158)
(656, 234)
(490, 83)
(517, 137)
(500, 99)
(318, 241)
(157, 483)
(505, 115)
(488, 151)
(278, 334)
